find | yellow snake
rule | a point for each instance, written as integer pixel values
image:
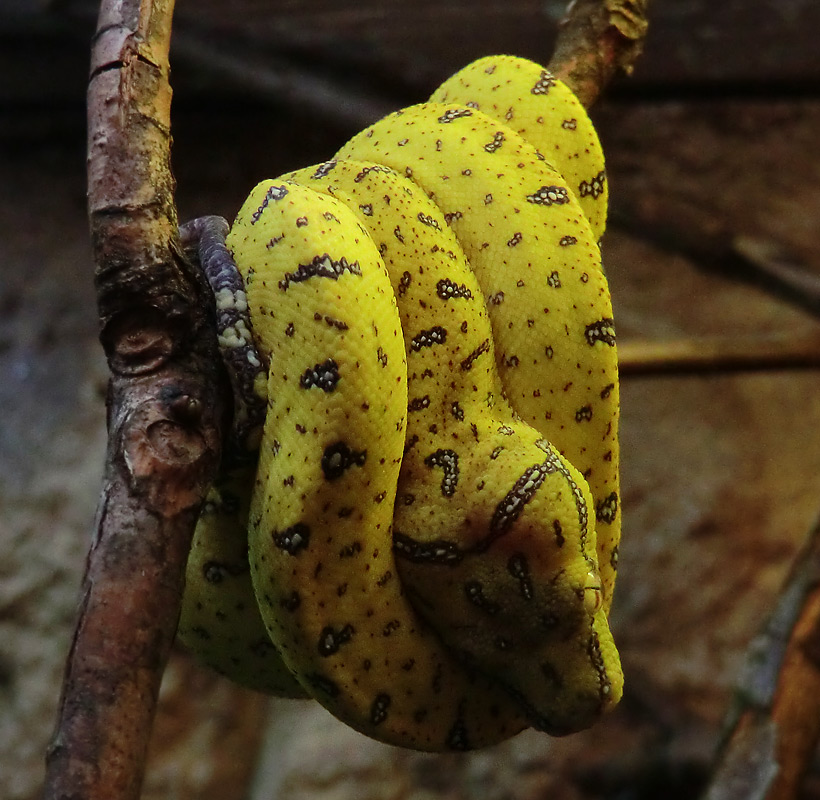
(428, 542)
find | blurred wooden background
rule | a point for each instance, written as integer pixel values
(716, 137)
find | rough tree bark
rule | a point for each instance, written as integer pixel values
(774, 723)
(164, 412)
(597, 40)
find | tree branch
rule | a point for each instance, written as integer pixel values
(756, 261)
(164, 413)
(597, 39)
(718, 355)
(774, 724)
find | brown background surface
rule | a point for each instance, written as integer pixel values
(718, 132)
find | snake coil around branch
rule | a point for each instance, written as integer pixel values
(426, 541)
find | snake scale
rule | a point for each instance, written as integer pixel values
(427, 544)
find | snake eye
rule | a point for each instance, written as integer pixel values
(591, 593)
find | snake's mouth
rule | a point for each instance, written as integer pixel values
(564, 696)
(557, 696)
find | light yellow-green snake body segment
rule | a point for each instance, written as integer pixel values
(321, 517)
(526, 98)
(220, 618)
(465, 452)
(441, 437)
(539, 268)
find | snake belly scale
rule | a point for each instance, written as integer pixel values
(432, 523)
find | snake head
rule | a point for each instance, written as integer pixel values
(515, 589)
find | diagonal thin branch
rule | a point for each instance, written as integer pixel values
(752, 260)
(774, 723)
(319, 91)
(164, 410)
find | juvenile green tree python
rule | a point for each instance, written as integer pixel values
(428, 542)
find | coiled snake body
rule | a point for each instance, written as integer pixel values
(428, 542)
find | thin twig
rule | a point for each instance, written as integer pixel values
(718, 355)
(774, 724)
(163, 413)
(319, 91)
(596, 40)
